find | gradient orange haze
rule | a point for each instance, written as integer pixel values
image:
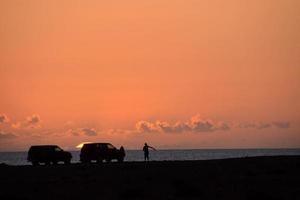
(75, 71)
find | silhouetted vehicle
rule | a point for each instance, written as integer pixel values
(99, 152)
(48, 154)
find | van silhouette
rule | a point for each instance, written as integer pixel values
(99, 152)
(48, 154)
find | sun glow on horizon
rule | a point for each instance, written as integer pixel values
(79, 146)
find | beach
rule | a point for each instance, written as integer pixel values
(274, 177)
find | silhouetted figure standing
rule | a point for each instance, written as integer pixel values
(122, 151)
(146, 151)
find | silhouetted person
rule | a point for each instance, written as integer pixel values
(146, 151)
(122, 151)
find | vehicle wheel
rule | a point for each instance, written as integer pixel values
(47, 163)
(35, 163)
(67, 162)
(108, 160)
(54, 162)
(99, 161)
(120, 160)
(84, 161)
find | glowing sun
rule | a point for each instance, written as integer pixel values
(79, 146)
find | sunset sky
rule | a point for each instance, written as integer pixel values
(173, 73)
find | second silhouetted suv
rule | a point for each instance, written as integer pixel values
(101, 151)
(48, 154)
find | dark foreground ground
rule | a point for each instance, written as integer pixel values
(244, 178)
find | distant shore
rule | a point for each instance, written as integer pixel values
(275, 177)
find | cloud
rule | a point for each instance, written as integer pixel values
(282, 124)
(119, 132)
(256, 125)
(199, 125)
(247, 125)
(166, 127)
(89, 131)
(3, 118)
(81, 132)
(73, 132)
(181, 127)
(6, 136)
(16, 125)
(33, 121)
(69, 123)
(145, 127)
(264, 125)
(223, 126)
(196, 124)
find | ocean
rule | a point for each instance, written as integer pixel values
(20, 158)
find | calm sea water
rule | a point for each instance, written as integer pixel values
(20, 158)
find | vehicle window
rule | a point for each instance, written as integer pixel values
(109, 146)
(58, 149)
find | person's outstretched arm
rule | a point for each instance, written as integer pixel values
(152, 148)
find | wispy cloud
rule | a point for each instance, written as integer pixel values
(195, 124)
(145, 127)
(89, 131)
(264, 125)
(6, 136)
(81, 132)
(3, 118)
(33, 121)
(16, 125)
(256, 125)
(71, 132)
(282, 124)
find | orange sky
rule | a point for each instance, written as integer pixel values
(177, 74)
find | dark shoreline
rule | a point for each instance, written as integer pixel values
(168, 149)
(274, 177)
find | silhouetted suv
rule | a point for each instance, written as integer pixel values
(48, 154)
(101, 151)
